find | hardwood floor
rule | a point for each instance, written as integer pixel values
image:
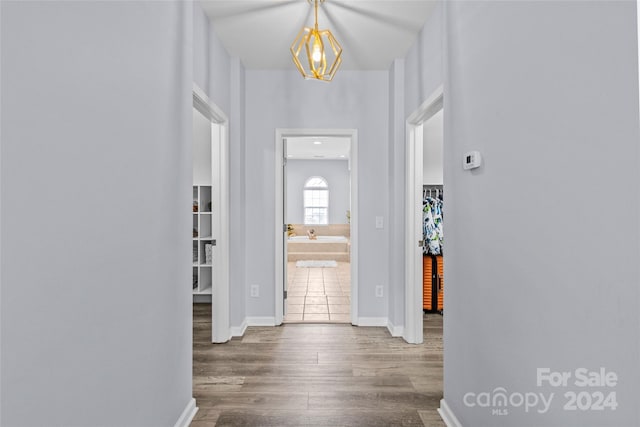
(316, 375)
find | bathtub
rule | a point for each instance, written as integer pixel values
(323, 248)
(319, 239)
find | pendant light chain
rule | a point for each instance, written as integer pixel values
(316, 1)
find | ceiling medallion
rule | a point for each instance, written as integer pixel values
(316, 53)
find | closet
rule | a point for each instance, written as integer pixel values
(433, 260)
(203, 209)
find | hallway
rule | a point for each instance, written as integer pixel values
(316, 375)
(319, 294)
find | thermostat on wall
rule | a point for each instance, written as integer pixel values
(471, 160)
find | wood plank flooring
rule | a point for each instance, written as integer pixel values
(316, 375)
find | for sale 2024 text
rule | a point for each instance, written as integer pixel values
(582, 389)
(596, 386)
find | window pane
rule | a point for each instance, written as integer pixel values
(323, 198)
(316, 181)
(316, 216)
(316, 201)
(323, 217)
(316, 198)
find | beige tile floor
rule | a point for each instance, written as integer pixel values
(318, 294)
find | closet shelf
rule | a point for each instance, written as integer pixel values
(202, 247)
(206, 291)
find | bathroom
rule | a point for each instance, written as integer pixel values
(318, 199)
(318, 247)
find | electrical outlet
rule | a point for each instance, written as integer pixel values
(255, 291)
(379, 291)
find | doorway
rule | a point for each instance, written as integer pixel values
(317, 213)
(416, 265)
(316, 226)
(210, 213)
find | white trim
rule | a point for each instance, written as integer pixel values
(279, 217)
(238, 331)
(413, 222)
(220, 328)
(428, 108)
(373, 321)
(187, 415)
(279, 224)
(207, 107)
(354, 221)
(413, 233)
(447, 415)
(395, 331)
(261, 321)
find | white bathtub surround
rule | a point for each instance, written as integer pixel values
(316, 264)
(335, 248)
(318, 239)
(332, 243)
(322, 230)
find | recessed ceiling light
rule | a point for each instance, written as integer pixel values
(317, 142)
(342, 155)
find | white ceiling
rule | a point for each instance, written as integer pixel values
(329, 148)
(372, 32)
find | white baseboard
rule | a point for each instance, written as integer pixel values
(395, 331)
(373, 321)
(187, 415)
(238, 331)
(447, 415)
(225, 339)
(261, 321)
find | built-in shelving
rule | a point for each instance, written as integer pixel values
(202, 240)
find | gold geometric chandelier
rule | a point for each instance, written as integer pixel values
(321, 52)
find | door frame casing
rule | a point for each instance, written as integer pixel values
(413, 218)
(220, 315)
(280, 135)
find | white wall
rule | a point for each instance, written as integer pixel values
(201, 31)
(396, 156)
(423, 64)
(282, 99)
(433, 139)
(238, 214)
(96, 171)
(543, 240)
(412, 80)
(336, 172)
(212, 64)
(201, 149)
(222, 79)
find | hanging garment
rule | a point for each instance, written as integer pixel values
(432, 226)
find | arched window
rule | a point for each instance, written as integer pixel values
(316, 201)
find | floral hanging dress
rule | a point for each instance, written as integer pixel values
(432, 226)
